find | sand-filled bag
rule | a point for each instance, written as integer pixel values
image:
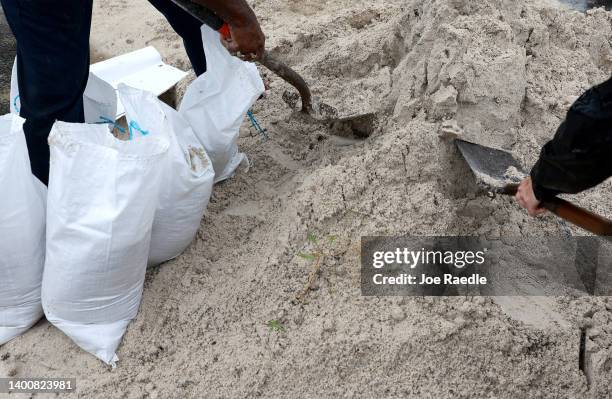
(216, 103)
(101, 203)
(22, 233)
(187, 178)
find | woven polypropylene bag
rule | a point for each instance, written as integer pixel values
(22, 233)
(101, 203)
(216, 103)
(187, 176)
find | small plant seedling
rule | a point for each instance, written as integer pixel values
(316, 258)
(276, 326)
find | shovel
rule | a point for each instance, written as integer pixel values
(499, 172)
(360, 125)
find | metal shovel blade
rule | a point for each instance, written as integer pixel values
(496, 171)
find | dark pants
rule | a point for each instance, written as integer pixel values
(53, 63)
(188, 28)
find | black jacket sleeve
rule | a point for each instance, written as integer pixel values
(580, 155)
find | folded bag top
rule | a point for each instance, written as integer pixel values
(71, 136)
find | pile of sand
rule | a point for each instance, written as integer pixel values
(224, 320)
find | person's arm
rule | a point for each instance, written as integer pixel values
(247, 36)
(580, 155)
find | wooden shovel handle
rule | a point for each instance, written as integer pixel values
(574, 214)
(580, 217)
(292, 77)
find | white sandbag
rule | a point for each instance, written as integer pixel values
(101, 202)
(216, 103)
(22, 233)
(187, 176)
(15, 103)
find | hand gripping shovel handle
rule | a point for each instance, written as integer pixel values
(574, 214)
(282, 70)
(211, 19)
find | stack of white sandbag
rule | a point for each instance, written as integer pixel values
(114, 207)
(22, 233)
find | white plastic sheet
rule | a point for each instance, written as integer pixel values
(101, 202)
(22, 233)
(187, 175)
(142, 69)
(216, 103)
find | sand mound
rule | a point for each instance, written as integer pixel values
(224, 320)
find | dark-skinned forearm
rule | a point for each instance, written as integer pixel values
(234, 12)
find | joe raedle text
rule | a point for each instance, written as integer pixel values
(424, 279)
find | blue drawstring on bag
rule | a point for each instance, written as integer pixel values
(134, 126)
(263, 132)
(15, 103)
(107, 121)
